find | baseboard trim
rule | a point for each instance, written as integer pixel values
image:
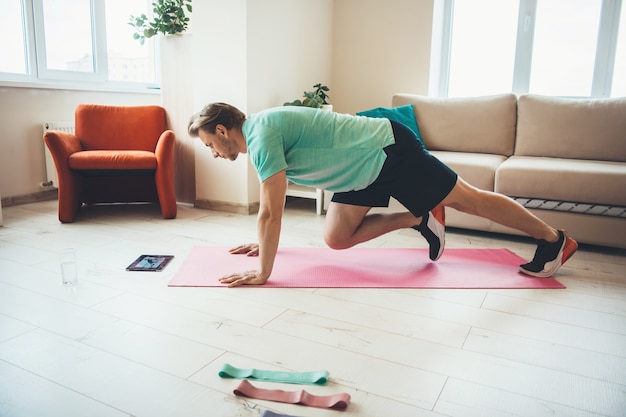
(45, 195)
(227, 207)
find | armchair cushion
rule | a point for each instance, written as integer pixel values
(112, 160)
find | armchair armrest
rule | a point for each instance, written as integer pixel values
(62, 145)
(164, 175)
(165, 149)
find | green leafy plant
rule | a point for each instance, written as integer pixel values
(316, 98)
(169, 18)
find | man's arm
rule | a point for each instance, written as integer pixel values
(269, 220)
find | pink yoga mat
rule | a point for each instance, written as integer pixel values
(365, 268)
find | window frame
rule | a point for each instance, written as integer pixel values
(441, 48)
(39, 76)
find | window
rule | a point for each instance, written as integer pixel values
(128, 60)
(564, 47)
(67, 34)
(552, 47)
(619, 82)
(488, 69)
(78, 41)
(13, 35)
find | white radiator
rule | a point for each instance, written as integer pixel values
(51, 171)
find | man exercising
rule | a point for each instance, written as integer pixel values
(364, 161)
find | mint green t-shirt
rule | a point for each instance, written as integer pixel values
(317, 148)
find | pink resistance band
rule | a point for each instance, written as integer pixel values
(335, 402)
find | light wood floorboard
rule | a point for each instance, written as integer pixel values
(125, 344)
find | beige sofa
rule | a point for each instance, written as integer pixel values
(564, 159)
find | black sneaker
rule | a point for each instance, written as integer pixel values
(549, 256)
(433, 228)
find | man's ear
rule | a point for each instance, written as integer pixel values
(219, 128)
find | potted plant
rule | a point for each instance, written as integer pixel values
(169, 18)
(316, 98)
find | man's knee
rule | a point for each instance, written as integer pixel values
(342, 222)
(466, 198)
(335, 240)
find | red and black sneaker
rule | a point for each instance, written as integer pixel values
(549, 256)
(433, 228)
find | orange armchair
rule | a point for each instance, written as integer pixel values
(118, 154)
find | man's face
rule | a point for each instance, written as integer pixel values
(221, 145)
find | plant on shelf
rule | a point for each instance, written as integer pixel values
(316, 98)
(168, 18)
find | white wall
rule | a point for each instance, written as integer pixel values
(220, 75)
(284, 58)
(289, 44)
(380, 47)
(254, 54)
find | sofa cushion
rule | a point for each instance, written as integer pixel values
(573, 180)
(593, 129)
(480, 124)
(400, 114)
(478, 169)
(112, 160)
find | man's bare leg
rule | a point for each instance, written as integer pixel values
(347, 225)
(499, 209)
(554, 247)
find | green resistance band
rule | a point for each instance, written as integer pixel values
(313, 377)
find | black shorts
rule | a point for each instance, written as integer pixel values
(410, 174)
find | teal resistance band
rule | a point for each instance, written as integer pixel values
(313, 377)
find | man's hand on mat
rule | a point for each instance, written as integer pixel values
(249, 249)
(243, 278)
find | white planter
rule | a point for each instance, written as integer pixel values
(177, 99)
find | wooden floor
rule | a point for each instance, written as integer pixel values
(124, 344)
